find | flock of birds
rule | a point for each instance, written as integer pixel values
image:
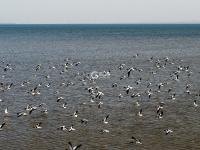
(144, 86)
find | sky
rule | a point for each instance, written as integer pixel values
(99, 11)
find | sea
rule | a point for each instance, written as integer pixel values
(65, 60)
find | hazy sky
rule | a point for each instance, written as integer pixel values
(99, 11)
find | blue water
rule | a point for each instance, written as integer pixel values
(99, 48)
(99, 41)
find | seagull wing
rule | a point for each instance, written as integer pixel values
(76, 147)
(35, 88)
(70, 146)
(107, 117)
(3, 124)
(19, 114)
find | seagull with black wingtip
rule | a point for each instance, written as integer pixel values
(2, 125)
(168, 131)
(105, 119)
(38, 125)
(71, 147)
(135, 140)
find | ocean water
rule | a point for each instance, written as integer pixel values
(100, 48)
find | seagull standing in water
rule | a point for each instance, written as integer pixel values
(105, 120)
(64, 105)
(135, 140)
(128, 88)
(100, 104)
(160, 113)
(34, 92)
(6, 111)
(120, 95)
(121, 66)
(104, 131)
(195, 103)
(63, 128)
(140, 113)
(137, 103)
(38, 125)
(75, 114)
(85, 121)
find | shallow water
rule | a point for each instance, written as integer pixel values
(99, 48)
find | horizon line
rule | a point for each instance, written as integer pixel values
(142, 23)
